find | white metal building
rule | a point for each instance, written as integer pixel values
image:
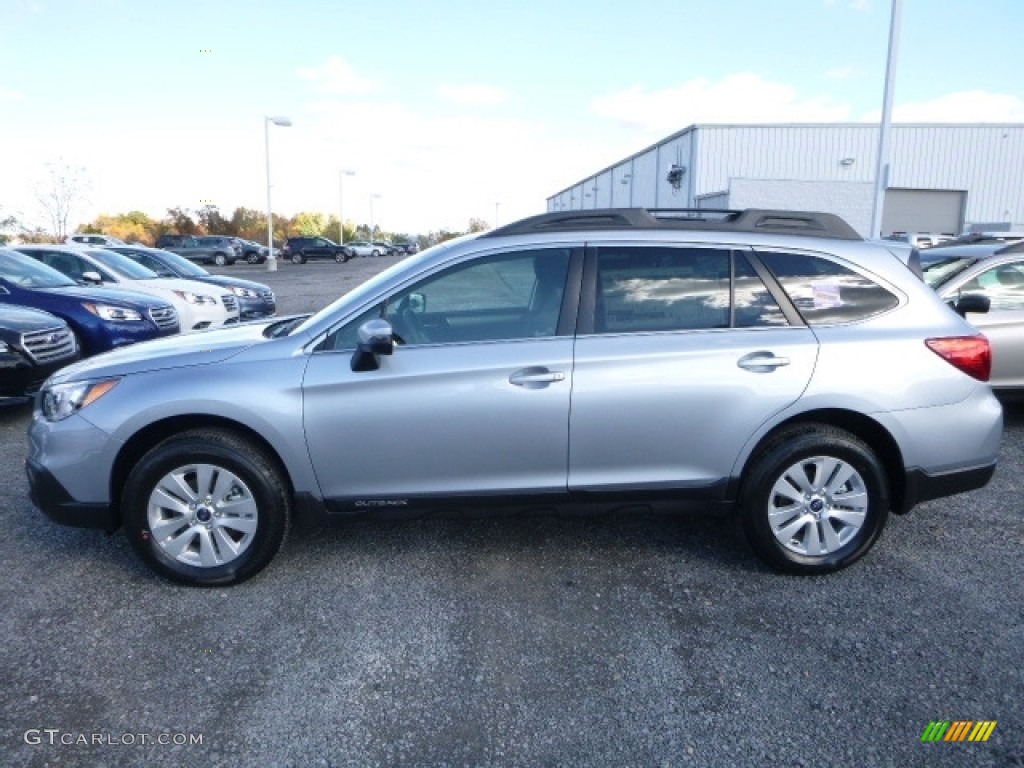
(942, 178)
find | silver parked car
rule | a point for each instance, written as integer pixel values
(767, 361)
(993, 271)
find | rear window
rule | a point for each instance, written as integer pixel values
(825, 292)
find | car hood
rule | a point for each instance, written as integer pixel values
(203, 348)
(166, 286)
(25, 320)
(232, 282)
(106, 295)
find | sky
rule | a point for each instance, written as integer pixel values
(447, 110)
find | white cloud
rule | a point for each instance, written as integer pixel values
(472, 94)
(10, 94)
(740, 98)
(961, 107)
(841, 73)
(337, 76)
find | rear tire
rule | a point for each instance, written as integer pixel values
(206, 508)
(814, 500)
(220, 259)
(298, 258)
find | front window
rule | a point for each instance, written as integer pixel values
(494, 298)
(1003, 284)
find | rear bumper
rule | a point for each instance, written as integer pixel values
(921, 486)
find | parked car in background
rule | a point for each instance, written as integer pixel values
(222, 252)
(364, 248)
(255, 300)
(388, 249)
(33, 344)
(617, 357)
(101, 318)
(252, 252)
(91, 238)
(198, 305)
(409, 247)
(920, 239)
(301, 249)
(993, 272)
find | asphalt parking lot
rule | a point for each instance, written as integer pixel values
(628, 640)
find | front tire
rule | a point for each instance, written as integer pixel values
(814, 500)
(220, 259)
(298, 258)
(206, 508)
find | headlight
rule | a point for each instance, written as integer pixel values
(113, 314)
(63, 400)
(245, 293)
(196, 298)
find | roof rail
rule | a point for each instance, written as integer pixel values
(807, 223)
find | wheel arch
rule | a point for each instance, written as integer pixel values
(876, 436)
(148, 437)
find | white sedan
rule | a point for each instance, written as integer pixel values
(199, 305)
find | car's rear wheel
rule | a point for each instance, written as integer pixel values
(206, 508)
(220, 259)
(298, 258)
(814, 500)
(253, 258)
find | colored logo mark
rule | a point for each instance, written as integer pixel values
(958, 730)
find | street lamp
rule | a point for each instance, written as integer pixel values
(371, 213)
(284, 122)
(341, 196)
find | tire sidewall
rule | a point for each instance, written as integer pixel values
(271, 501)
(220, 259)
(767, 469)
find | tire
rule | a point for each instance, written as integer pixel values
(814, 500)
(375, 253)
(253, 258)
(340, 257)
(185, 535)
(220, 259)
(298, 258)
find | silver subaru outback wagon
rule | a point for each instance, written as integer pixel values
(767, 361)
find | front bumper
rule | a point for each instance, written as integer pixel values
(54, 501)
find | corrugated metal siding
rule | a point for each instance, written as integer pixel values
(986, 161)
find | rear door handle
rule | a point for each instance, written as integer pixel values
(761, 362)
(535, 377)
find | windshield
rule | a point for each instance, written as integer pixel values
(26, 272)
(938, 270)
(181, 266)
(122, 265)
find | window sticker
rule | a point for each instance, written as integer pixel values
(826, 295)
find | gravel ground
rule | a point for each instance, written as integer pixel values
(616, 641)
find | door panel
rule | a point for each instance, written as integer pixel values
(441, 419)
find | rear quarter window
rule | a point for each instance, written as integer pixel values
(825, 292)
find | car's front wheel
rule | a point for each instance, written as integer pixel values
(220, 259)
(814, 500)
(298, 258)
(340, 256)
(253, 258)
(206, 508)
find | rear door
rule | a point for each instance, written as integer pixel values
(682, 354)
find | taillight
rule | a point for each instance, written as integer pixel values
(971, 354)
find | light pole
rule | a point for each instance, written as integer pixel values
(341, 196)
(371, 214)
(284, 122)
(496, 206)
(882, 161)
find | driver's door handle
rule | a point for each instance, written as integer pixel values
(535, 377)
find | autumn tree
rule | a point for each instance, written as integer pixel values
(478, 225)
(180, 221)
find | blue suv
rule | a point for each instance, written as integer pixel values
(102, 318)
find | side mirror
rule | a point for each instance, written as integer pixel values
(92, 277)
(972, 302)
(376, 337)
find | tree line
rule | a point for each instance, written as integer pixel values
(245, 223)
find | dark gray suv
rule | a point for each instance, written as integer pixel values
(770, 362)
